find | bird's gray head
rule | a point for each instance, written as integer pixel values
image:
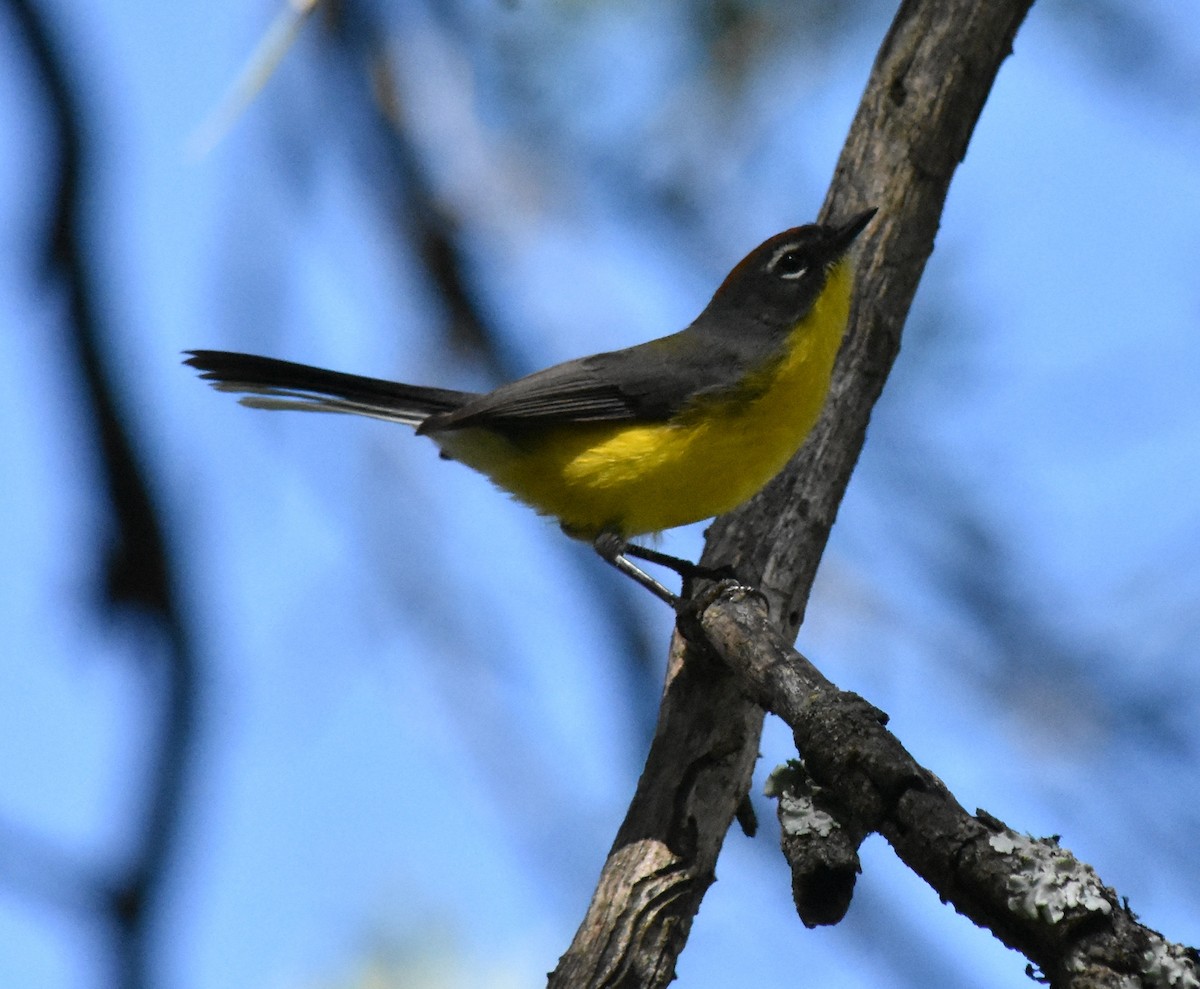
(778, 282)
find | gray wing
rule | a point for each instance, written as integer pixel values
(650, 383)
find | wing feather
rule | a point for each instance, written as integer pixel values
(649, 383)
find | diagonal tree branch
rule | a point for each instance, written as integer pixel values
(927, 88)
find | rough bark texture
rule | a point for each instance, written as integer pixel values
(926, 90)
(1031, 893)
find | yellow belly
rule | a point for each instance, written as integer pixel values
(632, 478)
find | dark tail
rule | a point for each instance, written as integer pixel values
(267, 383)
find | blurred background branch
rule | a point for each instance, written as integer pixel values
(134, 588)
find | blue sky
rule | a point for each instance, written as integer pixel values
(418, 731)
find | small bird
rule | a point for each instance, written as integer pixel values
(634, 441)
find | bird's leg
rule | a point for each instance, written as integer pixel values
(685, 568)
(612, 549)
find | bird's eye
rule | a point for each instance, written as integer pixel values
(791, 264)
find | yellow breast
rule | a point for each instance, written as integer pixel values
(634, 479)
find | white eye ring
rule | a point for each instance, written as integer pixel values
(779, 256)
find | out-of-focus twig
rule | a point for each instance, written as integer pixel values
(260, 66)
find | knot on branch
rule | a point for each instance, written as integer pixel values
(821, 851)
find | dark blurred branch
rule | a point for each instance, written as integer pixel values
(927, 88)
(435, 238)
(1032, 894)
(434, 231)
(137, 569)
(430, 223)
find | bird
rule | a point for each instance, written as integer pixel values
(629, 442)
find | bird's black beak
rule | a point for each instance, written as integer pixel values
(842, 236)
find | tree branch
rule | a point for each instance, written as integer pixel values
(927, 88)
(1032, 894)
